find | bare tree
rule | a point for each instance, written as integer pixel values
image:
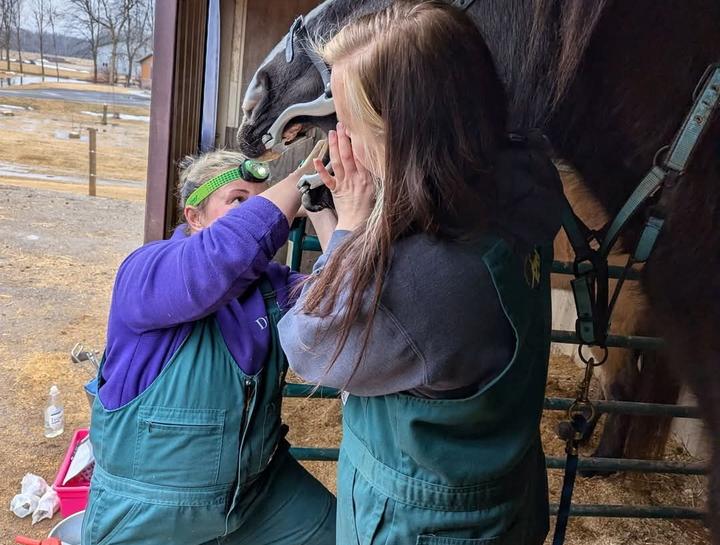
(39, 11)
(113, 17)
(18, 4)
(136, 35)
(84, 18)
(54, 15)
(6, 23)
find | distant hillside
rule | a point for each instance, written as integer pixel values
(67, 46)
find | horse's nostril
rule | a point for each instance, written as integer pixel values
(248, 107)
(252, 98)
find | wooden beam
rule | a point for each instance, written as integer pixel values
(228, 9)
(259, 25)
(234, 99)
(176, 106)
(161, 121)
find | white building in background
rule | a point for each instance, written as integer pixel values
(104, 55)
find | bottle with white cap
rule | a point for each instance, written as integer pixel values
(54, 414)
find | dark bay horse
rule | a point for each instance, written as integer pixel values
(609, 82)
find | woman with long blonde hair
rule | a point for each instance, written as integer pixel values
(430, 304)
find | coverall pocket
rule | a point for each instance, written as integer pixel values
(178, 447)
(373, 514)
(270, 425)
(110, 520)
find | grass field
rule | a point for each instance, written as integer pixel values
(36, 136)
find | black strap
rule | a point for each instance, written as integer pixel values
(563, 515)
(574, 431)
(290, 40)
(299, 34)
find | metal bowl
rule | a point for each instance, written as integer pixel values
(69, 530)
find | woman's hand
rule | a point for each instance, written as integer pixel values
(284, 194)
(352, 186)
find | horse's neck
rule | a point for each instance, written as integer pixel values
(326, 19)
(537, 46)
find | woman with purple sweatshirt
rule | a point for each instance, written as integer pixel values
(186, 427)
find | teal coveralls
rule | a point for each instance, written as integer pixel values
(457, 471)
(200, 456)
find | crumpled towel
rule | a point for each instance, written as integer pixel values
(35, 497)
(47, 506)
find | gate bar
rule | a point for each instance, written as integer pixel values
(618, 341)
(614, 271)
(628, 407)
(603, 465)
(551, 403)
(632, 511)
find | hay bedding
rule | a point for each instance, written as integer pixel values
(47, 303)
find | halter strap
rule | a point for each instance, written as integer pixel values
(299, 33)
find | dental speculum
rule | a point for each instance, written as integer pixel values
(273, 139)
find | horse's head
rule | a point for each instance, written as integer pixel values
(285, 78)
(290, 76)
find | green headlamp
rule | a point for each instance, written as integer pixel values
(254, 171)
(249, 170)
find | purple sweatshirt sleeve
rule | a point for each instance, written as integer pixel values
(187, 278)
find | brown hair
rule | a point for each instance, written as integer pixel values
(421, 83)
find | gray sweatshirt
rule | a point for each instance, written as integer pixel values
(440, 330)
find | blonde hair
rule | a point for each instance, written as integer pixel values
(195, 170)
(421, 86)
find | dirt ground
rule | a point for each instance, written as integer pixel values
(59, 250)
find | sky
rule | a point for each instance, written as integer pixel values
(63, 6)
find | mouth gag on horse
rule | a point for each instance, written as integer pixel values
(320, 107)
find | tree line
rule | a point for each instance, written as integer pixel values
(125, 26)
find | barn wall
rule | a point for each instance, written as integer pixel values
(257, 26)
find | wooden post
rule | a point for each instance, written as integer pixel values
(104, 118)
(92, 131)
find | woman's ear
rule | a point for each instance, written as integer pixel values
(193, 217)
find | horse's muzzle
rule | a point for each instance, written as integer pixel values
(250, 141)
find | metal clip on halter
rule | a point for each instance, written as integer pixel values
(574, 431)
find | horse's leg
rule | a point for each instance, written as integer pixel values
(648, 435)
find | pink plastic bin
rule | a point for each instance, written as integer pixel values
(74, 495)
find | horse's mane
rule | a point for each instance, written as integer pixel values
(537, 45)
(549, 38)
